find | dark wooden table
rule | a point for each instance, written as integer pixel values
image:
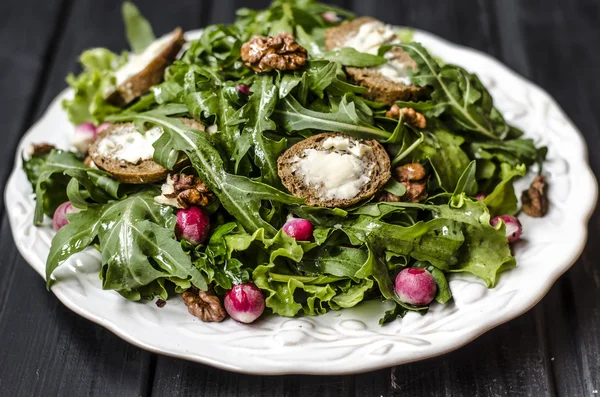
(554, 349)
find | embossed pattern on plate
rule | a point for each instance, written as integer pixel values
(350, 340)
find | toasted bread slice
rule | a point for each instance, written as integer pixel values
(376, 160)
(146, 171)
(151, 73)
(380, 88)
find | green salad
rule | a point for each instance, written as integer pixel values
(297, 161)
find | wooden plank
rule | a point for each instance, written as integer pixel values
(26, 33)
(511, 360)
(503, 362)
(179, 378)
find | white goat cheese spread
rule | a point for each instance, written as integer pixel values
(132, 147)
(369, 38)
(337, 174)
(168, 187)
(138, 62)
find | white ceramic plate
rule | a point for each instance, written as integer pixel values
(345, 341)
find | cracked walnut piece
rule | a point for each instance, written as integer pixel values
(189, 190)
(280, 52)
(409, 115)
(41, 149)
(204, 305)
(414, 178)
(535, 202)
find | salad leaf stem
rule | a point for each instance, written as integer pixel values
(402, 155)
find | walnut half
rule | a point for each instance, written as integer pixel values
(409, 116)
(414, 178)
(204, 305)
(280, 52)
(183, 190)
(535, 202)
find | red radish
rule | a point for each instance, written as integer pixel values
(481, 196)
(244, 89)
(299, 229)
(331, 16)
(102, 127)
(415, 286)
(85, 134)
(244, 302)
(193, 225)
(60, 219)
(513, 226)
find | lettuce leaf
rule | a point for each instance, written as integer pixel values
(503, 200)
(91, 86)
(486, 252)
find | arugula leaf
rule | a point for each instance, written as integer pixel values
(241, 196)
(137, 241)
(51, 174)
(288, 16)
(292, 116)
(443, 150)
(321, 75)
(392, 314)
(457, 93)
(257, 112)
(350, 57)
(513, 152)
(395, 187)
(467, 183)
(138, 29)
(218, 52)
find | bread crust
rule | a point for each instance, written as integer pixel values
(378, 158)
(380, 88)
(147, 171)
(139, 84)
